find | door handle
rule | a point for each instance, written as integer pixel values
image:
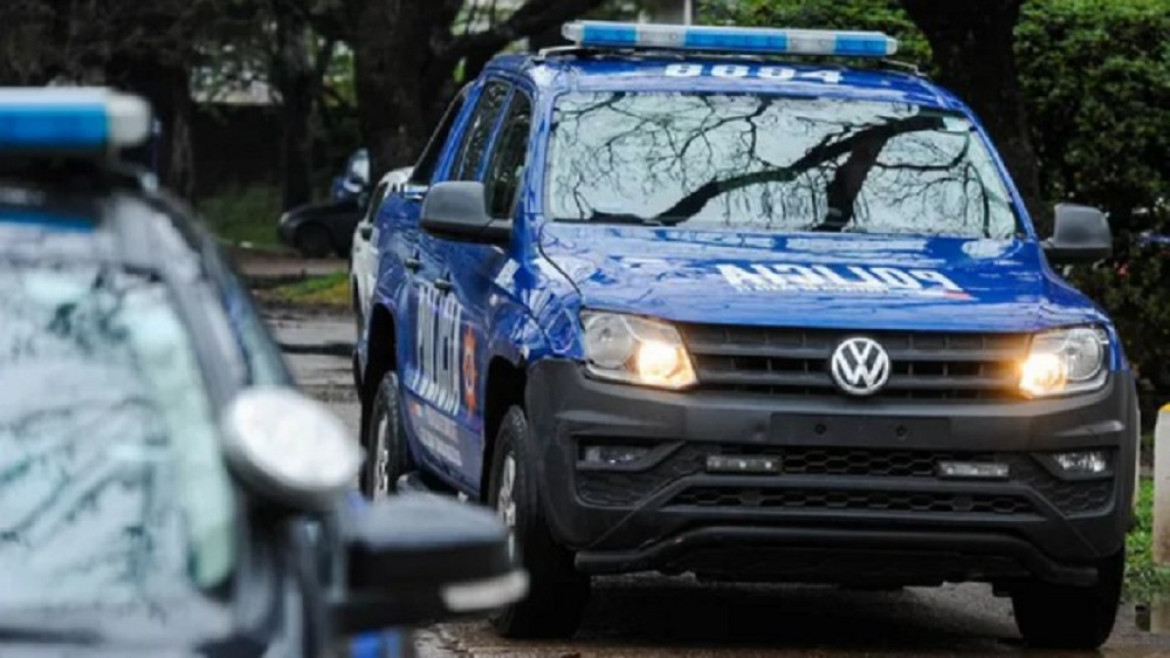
(413, 264)
(443, 285)
(366, 231)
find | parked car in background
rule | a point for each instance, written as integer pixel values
(318, 230)
(363, 256)
(165, 490)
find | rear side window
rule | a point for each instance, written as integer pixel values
(424, 169)
(506, 167)
(479, 131)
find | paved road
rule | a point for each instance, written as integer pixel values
(649, 616)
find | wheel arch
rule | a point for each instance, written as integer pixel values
(505, 386)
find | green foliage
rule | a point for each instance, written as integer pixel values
(1143, 579)
(247, 214)
(329, 290)
(1134, 293)
(1096, 76)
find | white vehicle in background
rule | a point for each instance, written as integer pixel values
(363, 261)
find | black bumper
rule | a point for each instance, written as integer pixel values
(857, 499)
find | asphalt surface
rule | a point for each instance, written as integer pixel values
(654, 616)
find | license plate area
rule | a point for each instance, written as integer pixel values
(860, 431)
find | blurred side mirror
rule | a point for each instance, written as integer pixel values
(289, 448)
(415, 559)
(1081, 234)
(457, 210)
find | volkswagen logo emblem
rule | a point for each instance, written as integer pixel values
(860, 366)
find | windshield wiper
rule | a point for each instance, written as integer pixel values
(600, 217)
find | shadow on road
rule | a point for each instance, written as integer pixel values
(649, 616)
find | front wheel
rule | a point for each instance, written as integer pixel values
(1069, 616)
(557, 592)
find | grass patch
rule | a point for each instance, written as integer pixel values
(330, 290)
(244, 215)
(1143, 578)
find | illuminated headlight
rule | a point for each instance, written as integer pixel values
(637, 350)
(1065, 361)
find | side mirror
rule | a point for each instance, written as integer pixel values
(457, 210)
(415, 559)
(289, 448)
(1081, 234)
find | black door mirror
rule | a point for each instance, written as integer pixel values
(1081, 234)
(457, 210)
(416, 559)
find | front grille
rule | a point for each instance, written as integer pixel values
(756, 497)
(924, 365)
(615, 488)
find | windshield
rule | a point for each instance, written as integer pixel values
(113, 494)
(774, 164)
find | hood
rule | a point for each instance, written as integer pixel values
(847, 281)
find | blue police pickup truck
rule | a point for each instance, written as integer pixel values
(673, 299)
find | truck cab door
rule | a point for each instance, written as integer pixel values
(473, 268)
(432, 377)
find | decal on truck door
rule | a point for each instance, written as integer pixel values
(439, 372)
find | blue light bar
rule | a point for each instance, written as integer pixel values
(70, 120)
(606, 34)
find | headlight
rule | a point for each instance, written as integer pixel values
(1065, 361)
(637, 350)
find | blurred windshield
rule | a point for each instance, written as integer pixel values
(112, 489)
(770, 163)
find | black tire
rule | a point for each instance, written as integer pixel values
(384, 432)
(1068, 616)
(313, 241)
(557, 592)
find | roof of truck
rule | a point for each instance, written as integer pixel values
(583, 70)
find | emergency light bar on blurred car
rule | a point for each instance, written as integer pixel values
(70, 120)
(777, 41)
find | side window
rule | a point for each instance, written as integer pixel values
(424, 169)
(506, 167)
(479, 131)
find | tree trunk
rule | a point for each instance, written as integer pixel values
(972, 44)
(168, 90)
(294, 75)
(401, 84)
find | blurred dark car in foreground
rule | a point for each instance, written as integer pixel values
(163, 488)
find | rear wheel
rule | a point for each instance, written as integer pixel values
(557, 592)
(385, 441)
(1068, 616)
(313, 241)
(358, 318)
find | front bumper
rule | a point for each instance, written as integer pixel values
(857, 489)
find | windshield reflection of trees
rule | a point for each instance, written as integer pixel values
(86, 519)
(772, 163)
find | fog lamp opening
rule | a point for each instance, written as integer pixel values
(1082, 462)
(973, 470)
(612, 455)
